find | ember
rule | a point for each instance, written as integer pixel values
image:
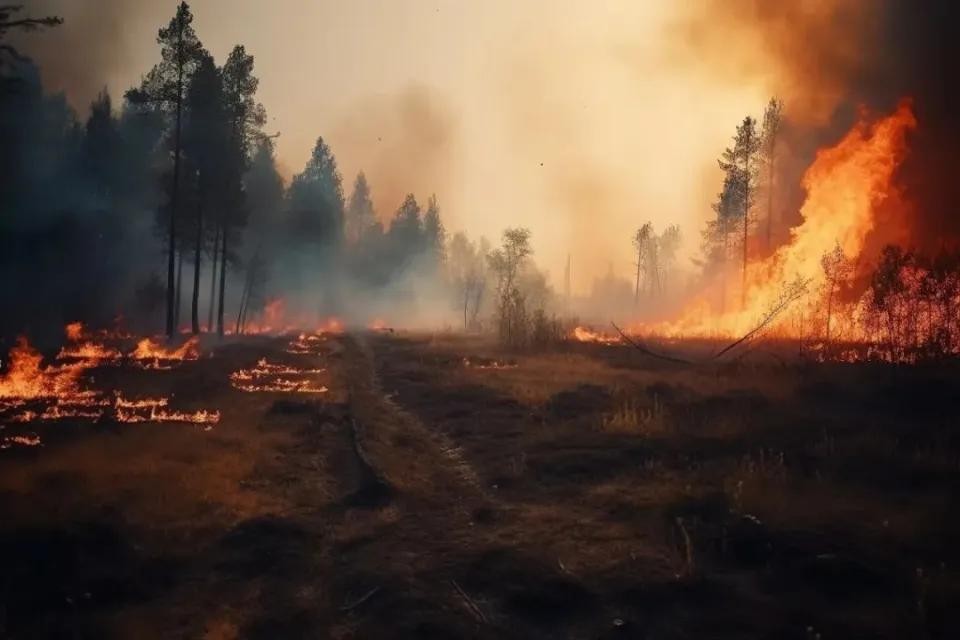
(583, 334)
(488, 364)
(278, 378)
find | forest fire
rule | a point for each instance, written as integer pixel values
(585, 334)
(81, 346)
(153, 355)
(278, 378)
(807, 287)
(30, 392)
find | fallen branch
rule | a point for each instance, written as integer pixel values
(644, 349)
(467, 600)
(793, 292)
(359, 601)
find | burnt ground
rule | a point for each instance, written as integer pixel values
(585, 493)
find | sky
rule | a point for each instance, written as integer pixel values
(579, 120)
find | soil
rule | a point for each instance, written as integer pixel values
(443, 489)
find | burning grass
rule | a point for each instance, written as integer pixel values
(150, 354)
(585, 334)
(277, 378)
(31, 392)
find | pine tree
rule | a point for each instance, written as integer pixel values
(246, 117)
(741, 167)
(102, 147)
(165, 87)
(316, 198)
(434, 235)
(207, 145)
(770, 133)
(360, 212)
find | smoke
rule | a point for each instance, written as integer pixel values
(92, 47)
(829, 58)
(405, 142)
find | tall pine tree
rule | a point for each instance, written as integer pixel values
(166, 86)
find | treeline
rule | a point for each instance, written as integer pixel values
(181, 174)
(744, 215)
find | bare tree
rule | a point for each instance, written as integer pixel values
(645, 244)
(836, 270)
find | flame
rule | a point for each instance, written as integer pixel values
(279, 378)
(25, 379)
(30, 392)
(331, 325)
(849, 186)
(584, 334)
(306, 344)
(6, 442)
(75, 331)
(153, 355)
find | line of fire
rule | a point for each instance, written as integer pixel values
(479, 320)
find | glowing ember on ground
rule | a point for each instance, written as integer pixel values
(488, 364)
(306, 344)
(278, 378)
(583, 334)
(7, 442)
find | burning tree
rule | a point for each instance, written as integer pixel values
(741, 169)
(837, 270)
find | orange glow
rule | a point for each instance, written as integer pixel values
(279, 378)
(153, 355)
(30, 392)
(25, 379)
(850, 198)
(584, 334)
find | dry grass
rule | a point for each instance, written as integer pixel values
(633, 416)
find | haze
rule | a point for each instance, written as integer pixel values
(577, 120)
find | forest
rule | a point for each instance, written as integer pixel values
(668, 358)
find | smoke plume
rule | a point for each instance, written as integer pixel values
(829, 58)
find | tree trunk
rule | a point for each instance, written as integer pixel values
(829, 313)
(746, 227)
(636, 291)
(178, 302)
(195, 304)
(770, 201)
(723, 270)
(223, 278)
(171, 250)
(244, 295)
(213, 281)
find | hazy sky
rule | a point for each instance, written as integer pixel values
(579, 120)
